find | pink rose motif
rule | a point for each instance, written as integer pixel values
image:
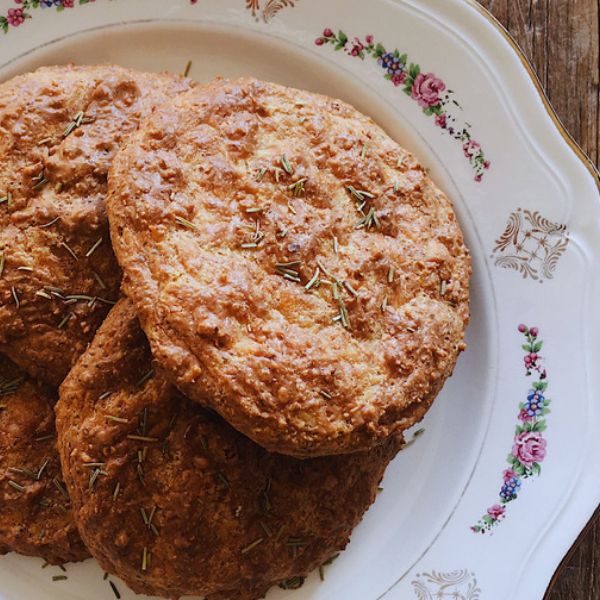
(68, 3)
(369, 39)
(529, 447)
(15, 17)
(497, 512)
(426, 90)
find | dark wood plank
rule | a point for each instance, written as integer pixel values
(561, 40)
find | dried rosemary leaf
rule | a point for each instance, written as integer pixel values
(15, 296)
(15, 485)
(287, 165)
(93, 248)
(145, 378)
(252, 545)
(69, 250)
(115, 590)
(186, 223)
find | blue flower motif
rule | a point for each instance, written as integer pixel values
(510, 488)
(391, 63)
(535, 403)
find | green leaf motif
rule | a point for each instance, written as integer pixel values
(414, 70)
(538, 346)
(520, 470)
(536, 468)
(513, 461)
(342, 37)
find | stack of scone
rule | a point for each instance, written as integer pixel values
(295, 294)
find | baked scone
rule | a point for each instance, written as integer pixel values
(174, 501)
(35, 510)
(294, 268)
(59, 130)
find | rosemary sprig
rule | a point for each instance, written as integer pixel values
(15, 485)
(8, 198)
(287, 165)
(288, 270)
(78, 120)
(298, 186)
(59, 486)
(65, 320)
(145, 559)
(326, 564)
(314, 281)
(9, 387)
(99, 280)
(293, 583)
(40, 180)
(186, 223)
(15, 296)
(93, 248)
(69, 250)
(252, 545)
(115, 590)
(145, 378)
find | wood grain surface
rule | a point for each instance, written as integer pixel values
(560, 38)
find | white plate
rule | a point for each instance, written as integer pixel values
(531, 219)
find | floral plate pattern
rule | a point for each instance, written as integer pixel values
(528, 205)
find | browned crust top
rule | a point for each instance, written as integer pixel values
(174, 501)
(35, 515)
(294, 268)
(59, 130)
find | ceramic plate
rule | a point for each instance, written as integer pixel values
(487, 501)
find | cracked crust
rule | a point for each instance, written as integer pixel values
(293, 267)
(228, 519)
(59, 130)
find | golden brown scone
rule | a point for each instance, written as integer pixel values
(59, 130)
(174, 501)
(293, 267)
(35, 513)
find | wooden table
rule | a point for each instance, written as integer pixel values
(560, 38)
